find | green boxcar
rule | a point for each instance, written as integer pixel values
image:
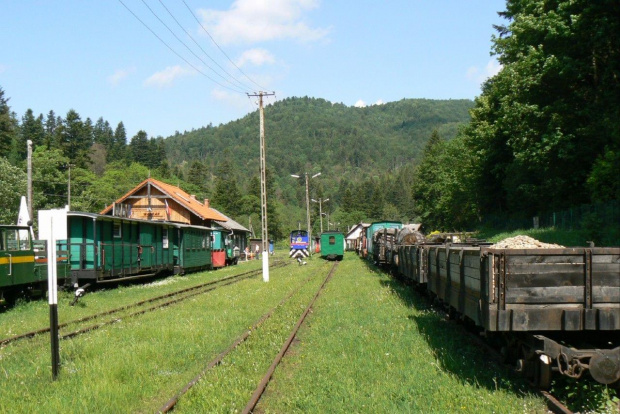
(372, 229)
(332, 245)
(194, 247)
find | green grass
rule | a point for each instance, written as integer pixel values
(372, 345)
(26, 316)
(369, 345)
(137, 364)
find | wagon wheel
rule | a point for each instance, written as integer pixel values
(543, 375)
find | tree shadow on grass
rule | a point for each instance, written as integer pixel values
(456, 349)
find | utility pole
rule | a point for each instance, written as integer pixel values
(321, 201)
(29, 143)
(263, 185)
(308, 207)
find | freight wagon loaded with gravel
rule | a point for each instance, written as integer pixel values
(552, 309)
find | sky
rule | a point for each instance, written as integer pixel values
(175, 65)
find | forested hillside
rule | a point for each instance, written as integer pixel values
(365, 155)
(311, 135)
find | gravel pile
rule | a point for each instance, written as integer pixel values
(524, 242)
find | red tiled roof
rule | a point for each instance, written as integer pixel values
(185, 200)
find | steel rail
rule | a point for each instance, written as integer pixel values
(238, 341)
(29, 335)
(152, 308)
(265, 381)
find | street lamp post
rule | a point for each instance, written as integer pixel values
(321, 201)
(308, 206)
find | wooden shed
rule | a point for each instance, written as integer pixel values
(155, 200)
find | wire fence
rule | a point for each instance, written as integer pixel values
(599, 222)
(583, 217)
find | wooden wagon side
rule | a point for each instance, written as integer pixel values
(571, 289)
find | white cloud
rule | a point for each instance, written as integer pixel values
(379, 102)
(166, 77)
(360, 104)
(233, 99)
(477, 75)
(120, 75)
(257, 57)
(251, 21)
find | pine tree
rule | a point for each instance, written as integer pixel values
(75, 140)
(103, 134)
(118, 152)
(32, 128)
(140, 149)
(50, 129)
(7, 130)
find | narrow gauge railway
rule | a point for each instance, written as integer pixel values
(170, 404)
(140, 307)
(552, 311)
(260, 389)
(94, 249)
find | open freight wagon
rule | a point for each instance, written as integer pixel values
(558, 310)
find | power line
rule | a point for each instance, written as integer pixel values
(187, 47)
(200, 47)
(218, 46)
(173, 51)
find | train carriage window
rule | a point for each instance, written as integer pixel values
(116, 230)
(164, 236)
(332, 240)
(204, 241)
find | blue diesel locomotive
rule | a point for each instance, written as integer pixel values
(299, 244)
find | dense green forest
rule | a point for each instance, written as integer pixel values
(362, 153)
(544, 135)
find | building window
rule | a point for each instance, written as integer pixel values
(116, 230)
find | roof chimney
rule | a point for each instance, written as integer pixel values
(206, 202)
(193, 196)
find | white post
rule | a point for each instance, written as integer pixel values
(52, 289)
(263, 186)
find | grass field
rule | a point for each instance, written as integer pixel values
(369, 345)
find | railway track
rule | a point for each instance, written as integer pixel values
(170, 404)
(267, 377)
(553, 404)
(137, 308)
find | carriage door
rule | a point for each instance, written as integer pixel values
(147, 246)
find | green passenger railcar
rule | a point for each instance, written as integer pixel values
(332, 245)
(194, 248)
(108, 248)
